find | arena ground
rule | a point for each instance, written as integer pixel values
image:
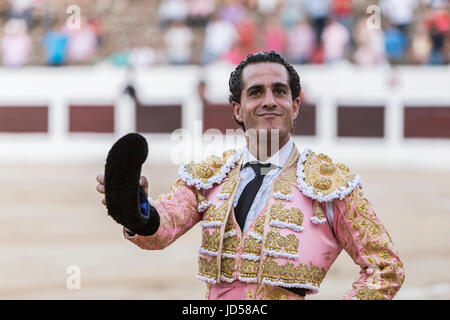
(52, 218)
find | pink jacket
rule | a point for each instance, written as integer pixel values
(316, 209)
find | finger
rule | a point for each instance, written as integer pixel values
(104, 201)
(101, 188)
(143, 182)
(101, 178)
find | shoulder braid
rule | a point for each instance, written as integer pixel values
(320, 179)
(210, 171)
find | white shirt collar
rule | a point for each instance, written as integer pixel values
(279, 159)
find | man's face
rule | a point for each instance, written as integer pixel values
(266, 99)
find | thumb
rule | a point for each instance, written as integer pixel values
(143, 182)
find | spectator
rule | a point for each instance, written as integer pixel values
(395, 44)
(343, 11)
(55, 44)
(436, 4)
(317, 55)
(399, 12)
(199, 12)
(274, 36)
(437, 22)
(291, 12)
(233, 11)
(220, 36)
(21, 9)
(335, 40)
(97, 26)
(369, 44)
(142, 56)
(178, 42)
(318, 11)
(301, 41)
(420, 45)
(269, 7)
(236, 54)
(172, 10)
(82, 43)
(247, 30)
(16, 43)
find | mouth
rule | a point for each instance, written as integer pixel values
(269, 115)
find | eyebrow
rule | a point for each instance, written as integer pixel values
(274, 85)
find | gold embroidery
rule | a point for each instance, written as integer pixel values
(207, 268)
(282, 186)
(252, 245)
(377, 247)
(209, 167)
(229, 226)
(211, 241)
(265, 292)
(227, 267)
(229, 185)
(362, 205)
(286, 181)
(327, 169)
(228, 153)
(216, 214)
(323, 175)
(230, 244)
(364, 293)
(342, 167)
(258, 294)
(200, 197)
(259, 225)
(214, 161)
(288, 273)
(249, 268)
(288, 177)
(322, 184)
(277, 294)
(201, 170)
(275, 241)
(292, 161)
(318, 212)
(278, 212)
(324, 157)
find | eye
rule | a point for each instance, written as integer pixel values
(280, 91)
(254, 93)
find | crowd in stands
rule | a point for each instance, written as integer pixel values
(129, 32)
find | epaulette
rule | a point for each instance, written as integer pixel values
(322, 180)
(210, 171)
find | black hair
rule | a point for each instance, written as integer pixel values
(236, 85)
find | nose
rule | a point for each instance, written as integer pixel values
(269, 100)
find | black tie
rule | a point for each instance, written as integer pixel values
(249, 193)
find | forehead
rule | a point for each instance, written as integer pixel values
(264, 73)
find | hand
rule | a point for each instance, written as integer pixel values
(143, 182)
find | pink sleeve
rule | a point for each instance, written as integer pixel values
(366, 240)
(178, 213)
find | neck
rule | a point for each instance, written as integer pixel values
(263, 147)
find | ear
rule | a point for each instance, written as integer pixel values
(237, 111)
(296, 106)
